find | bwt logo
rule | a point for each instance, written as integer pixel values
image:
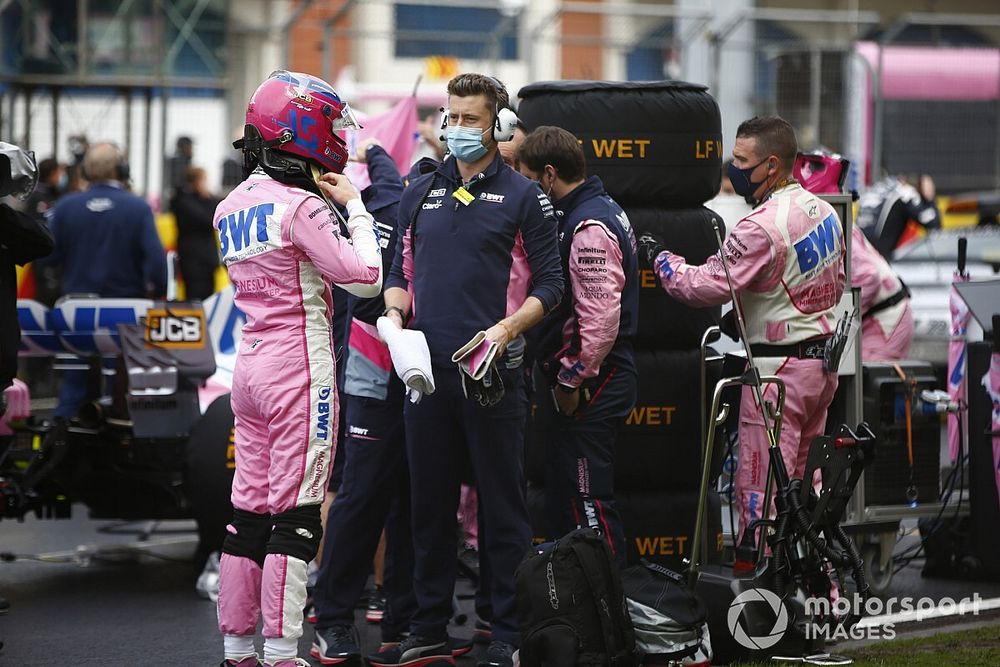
(818, 246)
(235, 228)
(175, 328)
(323, 414)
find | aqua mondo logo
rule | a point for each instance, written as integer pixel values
(757, 603)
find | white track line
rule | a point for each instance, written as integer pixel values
(967, 607)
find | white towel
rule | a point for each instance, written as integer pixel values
(410, 357)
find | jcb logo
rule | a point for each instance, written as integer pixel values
(178, 328)
(651, 415)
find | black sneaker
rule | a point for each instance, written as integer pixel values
(458, 647)
(499, 654)
(483, 633)
(376, 606)
(413, 651)
(336, 645)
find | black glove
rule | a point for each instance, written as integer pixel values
(650, 245)
(728, 326)
(487, 391)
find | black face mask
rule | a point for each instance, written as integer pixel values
(742, 185)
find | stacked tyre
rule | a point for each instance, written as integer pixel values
(657, 146)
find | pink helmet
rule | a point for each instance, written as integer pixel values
(821, 172)
(299, 114)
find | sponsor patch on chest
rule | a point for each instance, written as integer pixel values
(489, 196)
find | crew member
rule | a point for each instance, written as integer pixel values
(585, 345)
(106, 244)
(887, 324)
(375, 488)
(477, 253)
(786, 259)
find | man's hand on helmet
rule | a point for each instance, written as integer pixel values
(361, 152)
(338, 187)
(650, 245)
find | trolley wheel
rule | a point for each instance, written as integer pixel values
(878, 568)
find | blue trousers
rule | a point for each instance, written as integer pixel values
(580, 461)
(374, 493)
(440, 431)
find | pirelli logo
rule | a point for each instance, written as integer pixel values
(175, 328)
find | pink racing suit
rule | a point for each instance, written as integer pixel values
(885, 335)
(787, 264)
(281, 246)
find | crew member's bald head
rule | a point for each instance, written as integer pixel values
(102, 162)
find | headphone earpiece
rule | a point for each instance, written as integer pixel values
(444, 123)
(124, 173)
(506, 123)
(505, 119)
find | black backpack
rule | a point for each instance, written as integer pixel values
(571, 605)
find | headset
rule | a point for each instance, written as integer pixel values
(504, 119)
(122, 170)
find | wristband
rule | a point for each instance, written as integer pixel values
(507, 329)
(402, 315)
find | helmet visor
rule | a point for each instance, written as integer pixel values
(346, 121)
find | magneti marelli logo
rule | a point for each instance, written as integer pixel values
(756, 598)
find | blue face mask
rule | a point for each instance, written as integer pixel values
(465, 143)
(742, 185)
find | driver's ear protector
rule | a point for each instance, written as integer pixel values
(504, 119)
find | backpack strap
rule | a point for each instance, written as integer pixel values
(601, 569)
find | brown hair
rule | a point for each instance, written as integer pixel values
(555, 146)
(194, 174)
(469, 84)
(774, 136)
